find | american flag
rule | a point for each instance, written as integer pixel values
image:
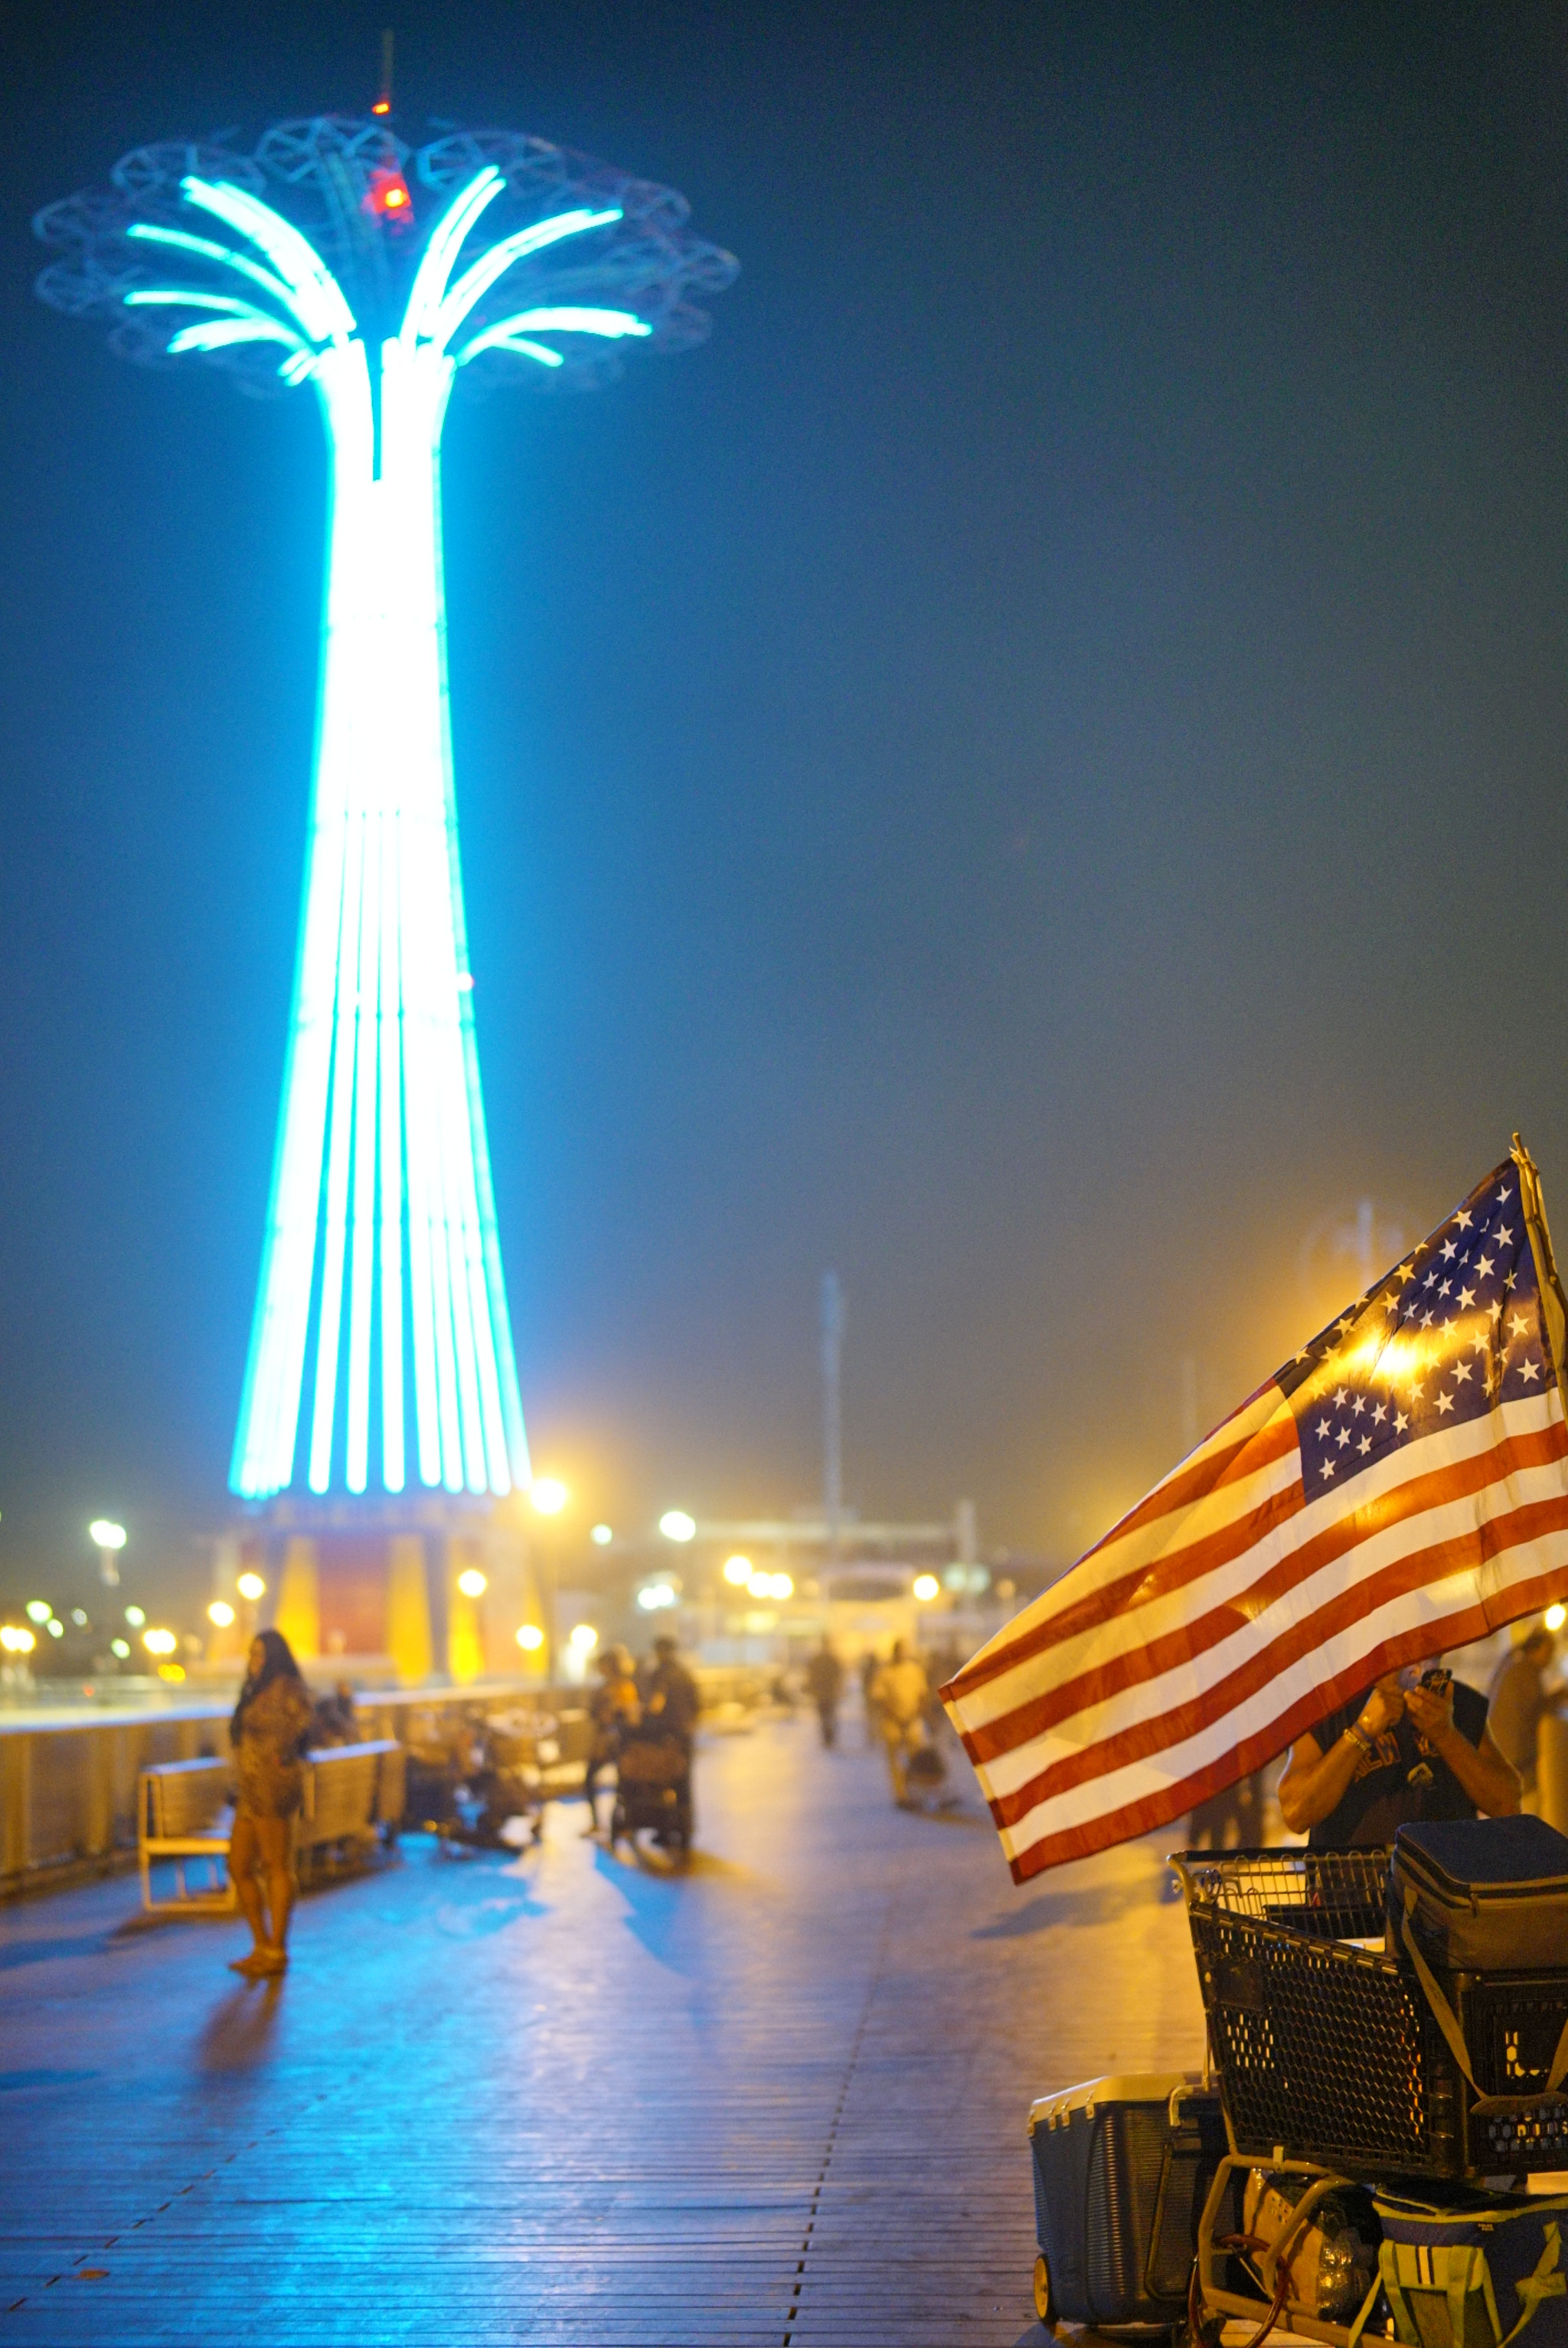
(1401, 1487)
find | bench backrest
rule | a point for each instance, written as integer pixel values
(342, 1782)
(181, 1799)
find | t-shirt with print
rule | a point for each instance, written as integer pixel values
(1403, 1778)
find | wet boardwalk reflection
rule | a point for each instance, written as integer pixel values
(780, 2100)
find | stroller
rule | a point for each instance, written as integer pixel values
(653, 1792)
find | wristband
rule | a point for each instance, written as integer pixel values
(1357, 1736)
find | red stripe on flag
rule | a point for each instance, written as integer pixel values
(1139, 1666)
(1254, 1752)
(1145, 1737)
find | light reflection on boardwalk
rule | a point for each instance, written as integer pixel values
(779, 2101)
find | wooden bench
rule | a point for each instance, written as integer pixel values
(183, 1813)
(353, 1800)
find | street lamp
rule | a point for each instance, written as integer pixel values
(926, 1587)
(677, 1526)
(221, 1614)
(600, 1536)
(110, 1539)
(738, 1571)
(548, 1495)
(472, 1582)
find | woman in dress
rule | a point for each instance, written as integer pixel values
(268, 1733)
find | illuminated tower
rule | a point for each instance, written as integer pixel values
(335, 256)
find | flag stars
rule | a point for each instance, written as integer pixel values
(1519, 1325)
(1340, 1400)
(1364, 1446)
(1445, 1289)
(1483, 1266)
(1445, 1402)
(1323, 1431)
(1462, 1373)
(1342, 1437)
(1464, 1218)
(1449, 1250)
(1327, 1468)
(1381, 1413)
(1359, 1405)
(1467, 1296)
(1400, 1422)
(1528, 1371)
(1502, 1235)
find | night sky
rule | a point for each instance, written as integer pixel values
(1029, 769)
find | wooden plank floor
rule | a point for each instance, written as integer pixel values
(778, 2103)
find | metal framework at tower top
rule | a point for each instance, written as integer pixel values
(334, 254)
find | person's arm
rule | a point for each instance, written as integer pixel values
(1491, 1783)
(1316, 1782)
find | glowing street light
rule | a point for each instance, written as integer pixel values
(530, 1638)
(14, 1640)
(600, 1536)
(135, 1617)
(250, 1586)
(332, 256)
(110, 1539)
(39, 1609)
(582, 1639)
(677, 1526)
(119, 1647)
(54, 1627)
(1555, 1616)
(221, 1612)
(548, 1495)
(159, 1643)
(738, 1571)
(926, 1587)
(472, 1582)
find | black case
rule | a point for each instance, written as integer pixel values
(1481, 1895)
(1122, 2168)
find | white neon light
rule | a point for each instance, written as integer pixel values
(315, 294)
(510, 334)
(477, 279)
(381, 1292)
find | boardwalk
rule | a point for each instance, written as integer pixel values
(780, 2101)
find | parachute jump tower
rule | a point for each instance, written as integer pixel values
(335, 258)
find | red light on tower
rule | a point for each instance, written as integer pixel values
(389, 196)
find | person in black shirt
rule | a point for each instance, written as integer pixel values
(1415, 1745)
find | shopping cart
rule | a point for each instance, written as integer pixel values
(1328, 2050)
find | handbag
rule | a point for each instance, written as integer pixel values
(1476, 2278)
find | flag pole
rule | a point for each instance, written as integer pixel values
(1554, 1304)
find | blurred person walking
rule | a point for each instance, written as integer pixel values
(613, 1708)
(669, 1706)
(1518, 1701)
(268, 1732)
(824, 1685)
(899, 1694)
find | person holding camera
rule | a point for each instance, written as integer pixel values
(1415, 1745)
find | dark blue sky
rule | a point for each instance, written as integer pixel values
(1029, 769)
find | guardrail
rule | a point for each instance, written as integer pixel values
(68, 1790)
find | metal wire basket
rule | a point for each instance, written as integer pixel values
(1325, 2050)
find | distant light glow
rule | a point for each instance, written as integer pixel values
(738, 1569)
(172, 1671)
(159, 1643)
(472, 1582)
(135, 1617)
(121, 1648)
(56, 1628)
(602, 1536)
(654, 1595)
(583, 1638)
(926, 1587)
(548, 1495)
(105, 1534)
(250, 1586)
(15, 1640)
(221, 1612)
(39, 1609)
(530, 1638)
(1554, 1617)
(784, 1586)
(677, 1526)
(79, 1618)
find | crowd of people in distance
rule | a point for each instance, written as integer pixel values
(276, 1721)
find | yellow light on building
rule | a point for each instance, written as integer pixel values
(159, 1643)
(530, 1638)
(221, 1612)
(548, 1495)
(1555, 1616)
(926, 1587)
(738, 1571)
(583, 1638)
(251, 1586)
(472, 1582)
